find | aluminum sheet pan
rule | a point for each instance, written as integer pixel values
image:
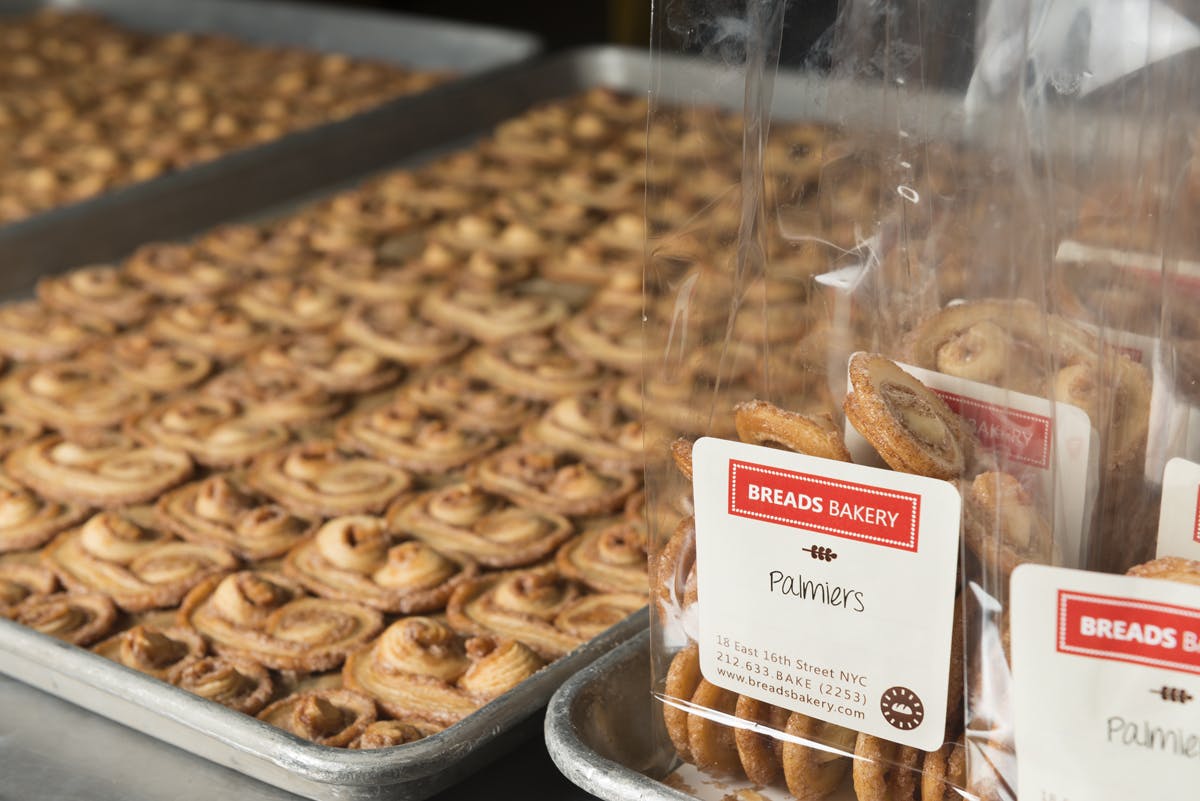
(183, 202)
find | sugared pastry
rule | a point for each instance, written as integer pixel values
(339, 367)
(395, 331)
(104, 470)
(218, 330)
(759, 753)
(595, 428)
(137, 567)
(814, 773)
(159, 366)
(326, 717)
(522, 605)
(268, 618)
(96, 291)
(588, 263)
(481, 233)
(592, 615)
(318, 479)
(906, 422)
(683, 677)
(533, 367)
(215, 431)
(401, 433)
(243, 685)
(474, 403)
(217, 511)
(607, 333)
(1115, 393)
(609, 558)
(359, 274)
(283, 252)
(78, 618)
(492, 316)
(281, 396)
(482, 526)
(419, 670)
(20, 582)
(291, 304)
(16, 430)
(712, 744)
(1169, 568)
(354, 559)
(944, 773)
(154, 651)
(673, 574)
(624, 232)
(762, 423)
(174, 270)
(885, 771)
(554, 480)
(30, 332)
(27, 521)
(389, 733)
(75, 394)
(1003, 526)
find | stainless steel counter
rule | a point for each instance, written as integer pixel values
(51, 750)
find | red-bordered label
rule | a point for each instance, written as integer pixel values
(1126, 630)
(1023, 436)
(825, 505)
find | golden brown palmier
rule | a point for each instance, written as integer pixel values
(326, 717)
(554, 480)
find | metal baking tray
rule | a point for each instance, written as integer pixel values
(247, 745)
(113, 223)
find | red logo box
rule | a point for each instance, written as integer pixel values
(1024, 437)
(826, 505)
(1169, 635)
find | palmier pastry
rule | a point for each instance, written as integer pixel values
(522, 605)
(467, 520)
(161, 367)
(77, 618)
(595, 428)
(592, 615)
(281, 396)
(759, 753)
(1169, 568)
(339, 367)
(420, 670)
(683, 677)
(326, 717)
(1124, 419)
(944, 773)
(401, 433)
(389, 733)
(490, 316)
(554, 480)
(674, 573)
(317, 479)
(475, 232)
(220, 331)
(174, 270)
(153, 651)
(216, 511)
(27, 521)
(610, 558)
(20, 582)
(534, 367)
(76, 394)
(885, 771)
(103, 470)
(360, 275)
(96, 291)
(283, 252)
(762, 423)
(138, 568)
(813, 773)
(215, 431)
(290, 304)
(1003, 527)
(906, 422)
(16, 430)
(395, 331)
(354, 559)
(607, 333)
(473, 403)
(711, 743)
(268, 618)
(30, 332)
(240, 684)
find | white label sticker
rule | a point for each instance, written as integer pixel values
(1051, 447)
(1106, 675)
(828, 587)
(1179, 515)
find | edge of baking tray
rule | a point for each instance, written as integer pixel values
(269, 754)
(590, 722)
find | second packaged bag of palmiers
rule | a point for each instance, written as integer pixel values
(922, 367)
